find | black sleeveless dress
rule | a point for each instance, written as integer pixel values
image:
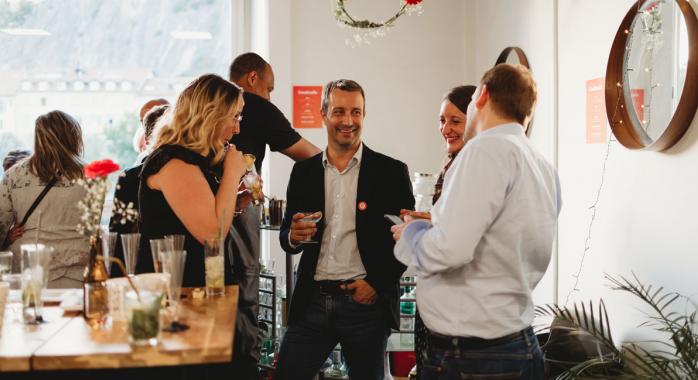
(157, 218)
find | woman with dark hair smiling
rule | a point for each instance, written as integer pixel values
(452, 120)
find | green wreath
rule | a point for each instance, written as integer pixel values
(343, 16)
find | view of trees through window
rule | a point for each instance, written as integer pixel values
(100, 60)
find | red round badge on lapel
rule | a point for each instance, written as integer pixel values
(362, 206)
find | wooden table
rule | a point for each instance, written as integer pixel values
(67, 342)
(18, 341)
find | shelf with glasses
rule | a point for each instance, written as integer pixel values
(400, 340)
(289, 262)
(268, 313)
(268, 292)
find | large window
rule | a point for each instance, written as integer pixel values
(100, 60)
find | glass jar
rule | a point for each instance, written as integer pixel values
(143, 317)
(423, 185)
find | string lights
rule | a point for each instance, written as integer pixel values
(616, 122)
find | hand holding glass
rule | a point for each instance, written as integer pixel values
(252, 180)
(310, 217)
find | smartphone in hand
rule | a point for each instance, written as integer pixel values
(394, 219)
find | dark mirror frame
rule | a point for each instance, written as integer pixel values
(523, 60)
(631, 135)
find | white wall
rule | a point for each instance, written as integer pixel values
(404, 75)
(645, 221)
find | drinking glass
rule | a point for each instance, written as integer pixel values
(36, 259)
(108, 245)
(173, 262)
(5, 262)
(130, 242)
(157, 247)
(214, 265)
(115, 290)
(312, 217)
(143, 316)
(177, 241)
(4, 295)
(252, 180)
(14, 298)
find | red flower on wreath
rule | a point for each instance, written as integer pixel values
(413, 2)
(100, 168)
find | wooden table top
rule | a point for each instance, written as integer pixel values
(69, 343)
(19, 341)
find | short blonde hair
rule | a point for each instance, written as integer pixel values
(199, 115)
(512, 90)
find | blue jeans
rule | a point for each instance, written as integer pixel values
(517, 358)
(362, 330)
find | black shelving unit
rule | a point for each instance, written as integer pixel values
(272, 307)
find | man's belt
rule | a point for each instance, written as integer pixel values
(333, 287)
(470, 343)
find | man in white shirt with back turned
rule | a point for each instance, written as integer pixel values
(489, 241)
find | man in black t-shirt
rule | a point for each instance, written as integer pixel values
(262, 124)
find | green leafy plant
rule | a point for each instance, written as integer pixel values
(674, 359)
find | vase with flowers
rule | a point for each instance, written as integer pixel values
(95, 297)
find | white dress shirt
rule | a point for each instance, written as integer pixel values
(339, 253)
(490, 239)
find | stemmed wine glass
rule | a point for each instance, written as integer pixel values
(312, 217)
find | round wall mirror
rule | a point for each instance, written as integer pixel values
(515, 55)
(652, 78)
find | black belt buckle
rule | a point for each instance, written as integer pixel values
(334, 287)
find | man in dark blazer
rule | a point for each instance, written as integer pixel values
(347, 288)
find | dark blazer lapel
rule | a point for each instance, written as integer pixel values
(363, 191)
(314, 200)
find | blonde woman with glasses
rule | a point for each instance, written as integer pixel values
(51, 170)
(189, 183)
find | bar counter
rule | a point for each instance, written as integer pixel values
(66, 344)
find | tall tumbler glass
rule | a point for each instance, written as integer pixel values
(108, 246)
(173, 262)
(215, 265)
(36, 260)
(157, 247)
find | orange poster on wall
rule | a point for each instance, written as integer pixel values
(306, 106)
(596, 111)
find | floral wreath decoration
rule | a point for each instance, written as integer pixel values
(372, 28)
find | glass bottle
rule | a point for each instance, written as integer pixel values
(95, 303)
(407, 308)
(337, 370)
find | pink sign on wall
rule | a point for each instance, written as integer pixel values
(306, 106)
(596, 123)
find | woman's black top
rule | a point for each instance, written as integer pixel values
(157, 218)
